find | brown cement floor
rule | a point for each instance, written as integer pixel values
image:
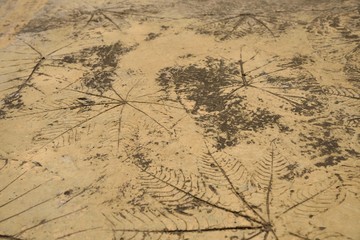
(179, 119)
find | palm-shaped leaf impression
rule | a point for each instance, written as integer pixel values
(230, 97)
(237, 26)
(77, 106)
(82, 109)
(179, 119)
(256, 201)
(29, 65)
(19, 190)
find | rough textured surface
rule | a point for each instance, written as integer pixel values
(179, 119)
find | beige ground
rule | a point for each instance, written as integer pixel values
(181, 119)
